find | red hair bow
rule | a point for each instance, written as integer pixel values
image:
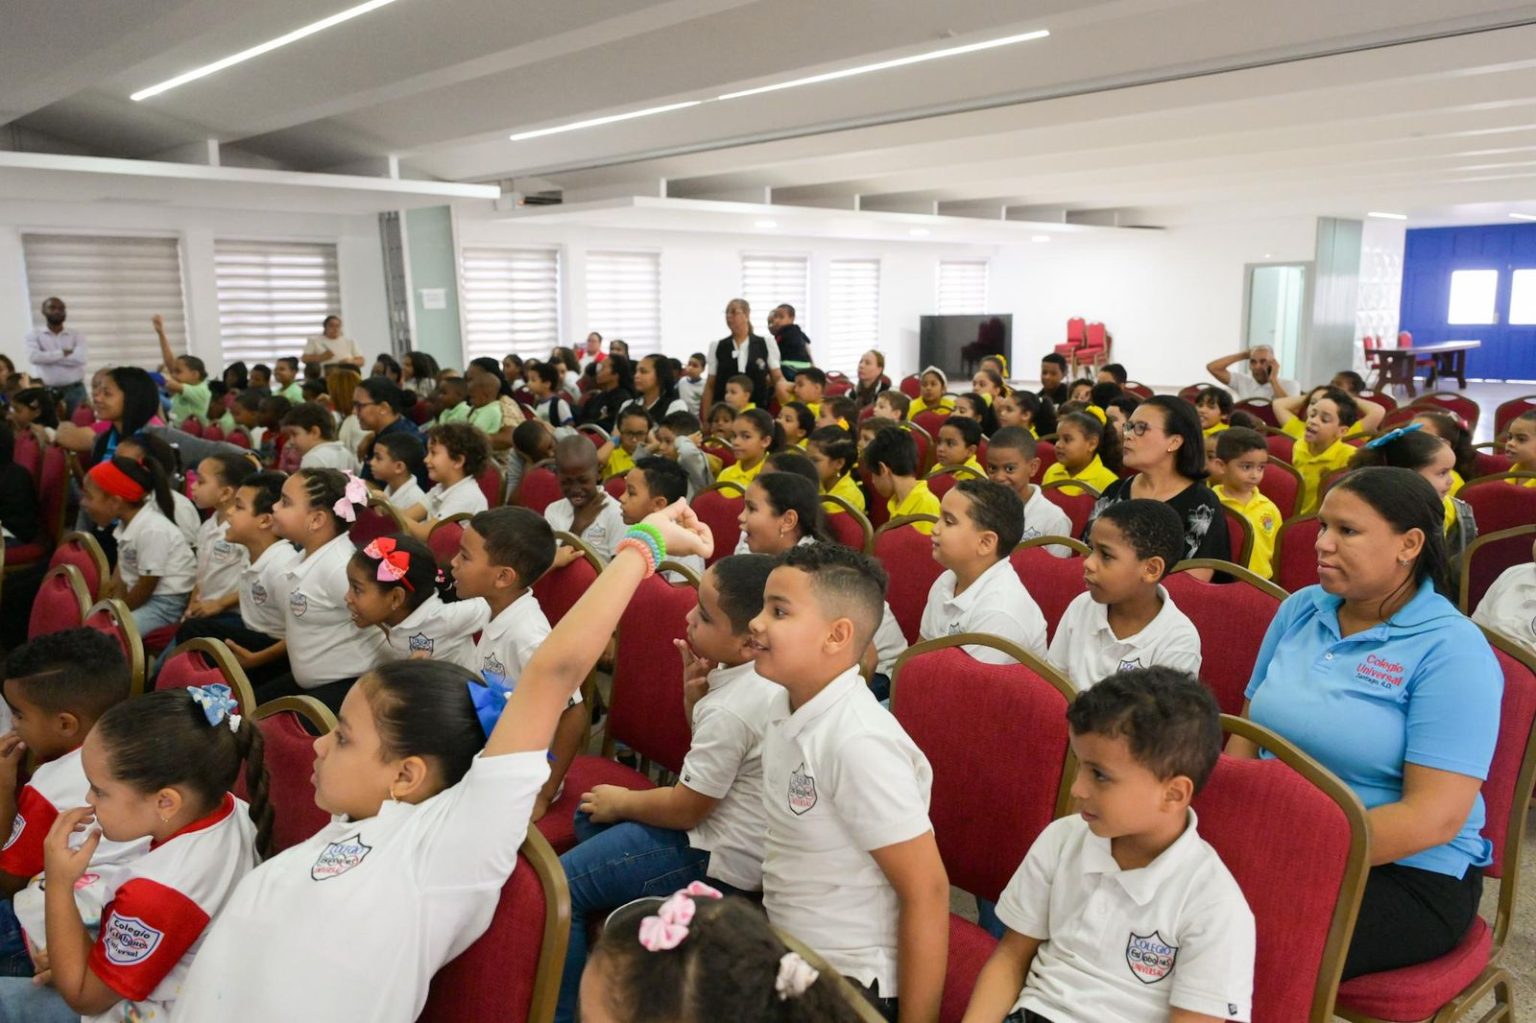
(394, 563)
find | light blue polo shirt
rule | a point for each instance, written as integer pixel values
(1421, 688)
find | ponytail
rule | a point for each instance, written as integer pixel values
(790, 492)
(325, 489)
(766, 426)
(1106, 437)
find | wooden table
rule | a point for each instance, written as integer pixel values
(1448, 359)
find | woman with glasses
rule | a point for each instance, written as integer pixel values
(1165, 448)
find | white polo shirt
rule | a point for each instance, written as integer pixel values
(605, 532)
(1126, 946)
(187, 518)
(1086, 649)
(1509, 606)
(219, 562)
(463, 496)
(264, 589)
(445, 632)
(725, 763)
(330, 454)
(1243, 386)
(996, 604)
(150, 544)
(323, 644)
(55, 787)
(840, 778)
(1043, 518)
(357, 919)
(340, 348)
(508, 641)
(407, 495)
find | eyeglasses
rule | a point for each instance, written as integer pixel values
(1140, 429)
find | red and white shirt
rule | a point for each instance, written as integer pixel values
(56, 787)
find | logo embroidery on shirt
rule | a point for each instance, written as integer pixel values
(1231, 1009)
(1379, 672)
(1030, 532)
(1130, 665)
(802, 791)
(225, 551)
(298, 603)
(130, 556)
(492, 670)
(1150, 957)
(129, 940)
(339, 857)
(17, 827)
(421, 641)
(258, 593)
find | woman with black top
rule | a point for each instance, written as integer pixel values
(871, 378)
(656, 387)
(1164, 444)
(613, 387)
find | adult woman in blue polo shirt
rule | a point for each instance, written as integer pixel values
(1378, 676)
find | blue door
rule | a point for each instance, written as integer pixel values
(1432, 255)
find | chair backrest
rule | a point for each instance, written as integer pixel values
(289, 726)
(1053, 582)
(1077, 330)
(614, 485)
(213, 431)
(983, 840)
(923, 438)
(558, 590)
(512, 971)
(1140, 390)
(201, 661)
(1498, 506)
(877, 509)
(1511, 775)
(192, 425)
(1260, 408)
(1301, 864)
(378, 518)
(719, 507)
(239, 437)
(1487, 557)
(1457, 404)
(82, 551)
(1097, 336)
(113, 617)
(1047, 452)
(1399, 416)
(445, 536)
(719, 449)
(941, 483)
(1076, 499)
(1282, 484)
(907, 555)
(539, 489)
(1296, 554)
(28, 454)
(53, 492)
(646, 708)
(930, 421)
(1281, 446)
(490, 483)
(61, 602)
(1509, 411)
(1386, 401)
(846, 523)
(911, 385)
(1231, 618)
(1191, 392)
(83, 415)
(1239, 536)
(1404, 339)
(1490, 463)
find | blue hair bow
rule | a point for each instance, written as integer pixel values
(1388, 438)
(218, 704)
(489, 701)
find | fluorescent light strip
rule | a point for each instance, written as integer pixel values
(1522, 216)
(257, 51)
(594, 122)
(1388, 216)
(830, 76)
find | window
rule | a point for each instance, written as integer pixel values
(1522, 297)
(624, 299)
(111, 286)
(1473, 296)
(771, 281)
(854, 301)
(273, 296)
(511, 302)
(962, 287)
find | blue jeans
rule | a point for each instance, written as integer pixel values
(21, 1001)
(614, 864)
(14, 960)
(160, 610)
(986, 918)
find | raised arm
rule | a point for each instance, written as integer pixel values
(167, 356)
(1288, 408)
(1218, 367)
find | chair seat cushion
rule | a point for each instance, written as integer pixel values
(1417, 992)
(558, 825)
(159, 639)
(969, 949)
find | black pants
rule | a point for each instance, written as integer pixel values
(231, 627)
(1410, 916)
(331, 694)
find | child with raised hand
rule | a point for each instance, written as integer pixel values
(652, 484)
(710, 825)
(1085, 451)
(754, 435)
(456, 455)
(677, 438)
(155, 566)
(955, 446)
(1320, 449)
(979, 526)
(1236, 472)
(797, 422)
(833, 451)
(1172, 936)
(1413, 447)
(186, 379)
(311, 430)
(396, 460)
(933, 394)
(392, 585)
(850, 864)
(586, 509)
(726, 963)
(432, 775)
(891, 458)
(1013, 459)
(328, 650)
(1126, 619)
(159, 767)
(1520, 446)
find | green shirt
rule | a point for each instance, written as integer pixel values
(459, 414)
(487, 417)
(191, 400)
(294, 392)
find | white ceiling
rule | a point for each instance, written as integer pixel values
(1166, 111)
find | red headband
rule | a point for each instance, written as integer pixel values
(116, 482)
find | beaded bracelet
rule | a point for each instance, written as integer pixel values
(654, 535)
(644, 549)
(640, 536)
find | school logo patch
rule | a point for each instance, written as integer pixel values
(492, 670)
(802, 791)
(17, 827)
(258, 593)
(1130, 665)
(1030, 532)
(421, 641)
(129, 940)
(298, 603)
(130, 556)
(225, 552)
(1150, 957)
(339, 857)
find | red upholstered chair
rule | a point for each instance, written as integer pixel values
(720, 449)
(1140, 390)
(1281, 484)
(1282, 446)
(944, 480)
(1509, 411)
(1095, 347)
(192, 425)
(289, 726)
(1399, 416)
(380, 518)
(1239, 536)
(596, 434)
(240, 437)
(539, 488)
(838, 384)
(213, 431)
(930, 422)
(83, 415)
(614, 485)
(1487, 557)
(876, 507)
(1191, 392)
(202, 661)
(846, 523)
(1047, 451)
(719, 507)
(907, 555)
(1231, 619)
(52, 506)
(1301, 864)
(1053, 582)
(445, 536)
(1076, 499)
(1496, 505)
(1386, 401)
(1456, 404)
(983, 841)
(490, 484)
(1447, 988)
(924, 441)
(1491, 462)
(61, 602)
(512, 971)
(558, 590)
(113, 617)
(28, 455)
(911, 385)
(82, 551)
(1296, 553)
(1259, 407)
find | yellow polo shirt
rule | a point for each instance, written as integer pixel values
(1263, 516)
(1213, 431)
(919, 501)
(619, 462)
(969, 463)
(1313, 467)
(741, 477)
(848, 490)
(944, 407)
(1094, 474)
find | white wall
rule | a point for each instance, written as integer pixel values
(1381, 281)
(359, 256)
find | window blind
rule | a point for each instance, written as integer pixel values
(854, 320)
(768, 281)
(273, 296)
(511, 302)
(624, 298)
(962, 287)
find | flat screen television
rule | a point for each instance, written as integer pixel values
(957, 344)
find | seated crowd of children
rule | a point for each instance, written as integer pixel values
(460, 707)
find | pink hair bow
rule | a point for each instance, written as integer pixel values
(667, 929)
(394, 564)
(355, 494)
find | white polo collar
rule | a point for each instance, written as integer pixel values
(834, 693)
(1142, 883)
